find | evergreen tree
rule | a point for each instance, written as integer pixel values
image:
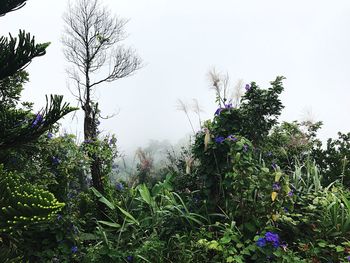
(22, 204)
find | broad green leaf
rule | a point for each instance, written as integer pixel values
(111, 224)
(128, 215)
(102, 199)
(145, 194)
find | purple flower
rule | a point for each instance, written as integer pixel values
(274, 165)
(261, 242)
(348, 258)
(74, 249)
(228, 106)
(119, 186)
(232, 138)
(271, 237)
(49, 135)
(276, 186)
(38, 120)
(55, 160)
(284, 245)
(290, 193)
(219, 139)
(218, 111)
(245, 148)
(276, 244)
(130, 258)
(247, 87)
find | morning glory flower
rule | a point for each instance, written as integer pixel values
(219, 139)
(274, 165)
(276, 187)
(232, 138)
(218, 111)
(119, 186)
(74, 249)
(271, 237)
(38, 120)
(276, 244)
(56, 160)
(245, 148)
(261, 242)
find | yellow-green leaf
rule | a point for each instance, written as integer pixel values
(274, 196)
(278, 176)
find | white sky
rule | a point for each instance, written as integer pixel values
(306, 41)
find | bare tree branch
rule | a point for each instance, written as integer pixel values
(92, 41)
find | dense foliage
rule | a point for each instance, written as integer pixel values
(247, 189)
(232, 196)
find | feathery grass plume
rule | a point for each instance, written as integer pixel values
(182, 106)
(196, 108)
(308, 116)
(237, 93)
(221, 84)
(225, 85)
(215, 79)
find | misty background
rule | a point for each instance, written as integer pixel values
(180, 41)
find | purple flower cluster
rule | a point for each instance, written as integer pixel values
(38, 120)
(276, 186)
(55, 160)
(221, 139)
(74, 249)
(119, 186)
(247, 87)
(270, 238)
(219, 110)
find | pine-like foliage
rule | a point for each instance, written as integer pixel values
(10, 5)
(23, 204)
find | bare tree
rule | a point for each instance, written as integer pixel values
(92, 44)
